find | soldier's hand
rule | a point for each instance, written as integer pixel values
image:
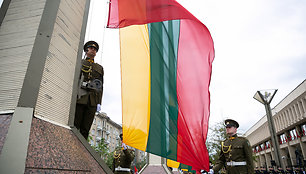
(124, 146)
(211, 171)
(203, 171)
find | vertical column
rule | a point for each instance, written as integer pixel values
(302, 104)
(295, 113)
(303, 148)
(302, 110)
(262, 160)
(292, 154)
(281, 120)
(257, 163)
(275, 118)
(287, 116)
(284, 156)
(278, 122)
(269, 158)
(291, 115)
(298, 110)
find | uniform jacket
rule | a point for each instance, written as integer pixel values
(123, 158)
(236, 149)
(91, 71)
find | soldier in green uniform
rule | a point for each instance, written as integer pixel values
(271, 170)
(288, 170)
(236, 152)
(280, 170)
(123, 158)
(90, 89)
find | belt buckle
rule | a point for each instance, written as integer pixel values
(231, 163)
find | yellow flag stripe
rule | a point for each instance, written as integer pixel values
(135, 85)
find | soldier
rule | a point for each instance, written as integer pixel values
(288, 170)
(90, 89)
(236, 152)
(271, 170)
(123, 158)
(264, 170)
(257, 171)
(297, 170)
(280, 170)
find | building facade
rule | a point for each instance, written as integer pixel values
(289, 118)
(104, 127)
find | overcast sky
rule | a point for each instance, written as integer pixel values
(259, 44)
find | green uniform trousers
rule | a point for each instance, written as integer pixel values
(84, 116)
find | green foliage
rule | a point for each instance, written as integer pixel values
(141, 164)
(216, 134)
(110, 159)
(103, 150)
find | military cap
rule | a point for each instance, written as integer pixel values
(91, 44)
(231, 123)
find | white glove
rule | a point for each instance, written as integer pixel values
(124, 146)
(211, 171)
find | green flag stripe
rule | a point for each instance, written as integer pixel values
(162, 138)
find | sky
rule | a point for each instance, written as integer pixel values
(259, 45)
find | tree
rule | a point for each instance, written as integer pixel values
(110, 159)
(216, 134)
(102, 149)
(140, 164)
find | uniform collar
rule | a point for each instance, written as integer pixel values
(232, 137)
(90, 60)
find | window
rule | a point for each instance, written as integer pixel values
(262, 146)
(292, 135)
(267, 144)
(282, 139)
(303, 127)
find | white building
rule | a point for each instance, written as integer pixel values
(289, 118)
(104, 127)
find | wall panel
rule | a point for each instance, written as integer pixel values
(55, 93)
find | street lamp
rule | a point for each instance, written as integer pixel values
(265, 97)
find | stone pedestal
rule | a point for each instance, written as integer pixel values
(50, 149)
(155, 165)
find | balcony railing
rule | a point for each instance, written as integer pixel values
(98, 138)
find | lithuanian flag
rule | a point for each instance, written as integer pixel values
(166, 59)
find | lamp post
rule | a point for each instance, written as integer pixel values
(265, 97)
